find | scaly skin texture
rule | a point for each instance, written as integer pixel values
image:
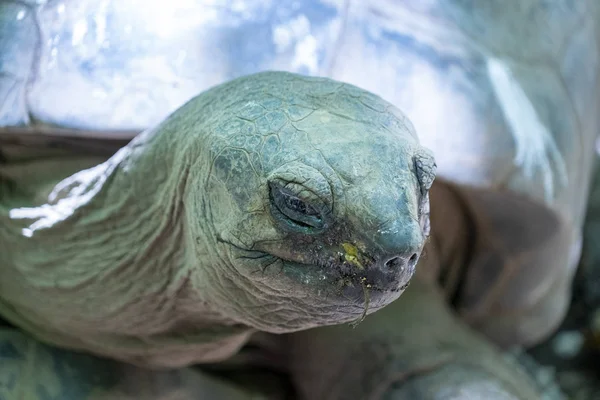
(209, 201)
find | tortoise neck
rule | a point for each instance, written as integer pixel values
(106, 250)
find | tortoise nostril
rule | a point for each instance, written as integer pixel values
(394, 262)
(413, 260)
(399, 261)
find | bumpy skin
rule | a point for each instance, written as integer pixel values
(274, 202)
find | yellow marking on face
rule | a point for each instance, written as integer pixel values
(352, 255)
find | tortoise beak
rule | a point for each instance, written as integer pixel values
(392, 253)
(388, 274)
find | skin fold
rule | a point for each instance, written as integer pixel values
(274, 203)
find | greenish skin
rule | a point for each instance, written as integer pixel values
(273, 209)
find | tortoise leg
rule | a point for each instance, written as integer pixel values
(32, 370)
(415, 348)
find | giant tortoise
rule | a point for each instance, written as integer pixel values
(225, 251)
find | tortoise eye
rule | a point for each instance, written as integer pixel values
(295, 204)
(296, 212)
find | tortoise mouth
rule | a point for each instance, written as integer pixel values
(331, 276)
(358, 292)
(346, 277)
(341, 279)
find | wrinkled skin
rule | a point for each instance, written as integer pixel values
(273, 203)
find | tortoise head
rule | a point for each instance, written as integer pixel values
(318, 195)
